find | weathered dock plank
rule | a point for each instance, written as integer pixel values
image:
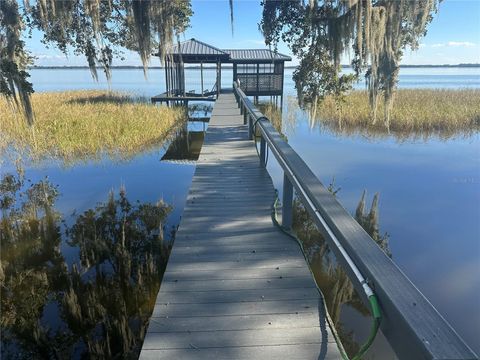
(235, 286)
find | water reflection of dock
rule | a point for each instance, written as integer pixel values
(235, 285)
(185, 148)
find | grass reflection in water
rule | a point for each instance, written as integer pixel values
(96, 306)
(330, 276)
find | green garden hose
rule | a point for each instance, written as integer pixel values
(377, 317)
(375, 308)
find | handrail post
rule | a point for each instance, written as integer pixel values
(250, 126)
(287, 203)
(263, 151)
(245, 114)
(241, 108)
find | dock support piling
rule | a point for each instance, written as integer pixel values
(250, 126)
(263, 151)
(201, 75)
(287, 203)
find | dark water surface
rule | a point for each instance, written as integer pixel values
(429, 204)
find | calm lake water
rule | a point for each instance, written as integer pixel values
(429, 191)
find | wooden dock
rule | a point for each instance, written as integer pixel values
(235, 287)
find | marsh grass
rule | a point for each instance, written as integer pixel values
(86, 125)
(273, 113)
(420, 112)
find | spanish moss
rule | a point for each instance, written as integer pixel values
(99, 30)
(230, 3)
(14, 60)
(374, 32)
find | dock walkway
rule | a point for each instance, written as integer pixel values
(235, 286)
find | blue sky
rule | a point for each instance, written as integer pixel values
(453, 36)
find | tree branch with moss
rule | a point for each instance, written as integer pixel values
(375, 32)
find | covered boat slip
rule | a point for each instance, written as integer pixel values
(235, 286)
(258, 71)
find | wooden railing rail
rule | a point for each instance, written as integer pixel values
(411, 324)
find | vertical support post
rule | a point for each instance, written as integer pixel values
(177, 83)
(179, 80)
(263, 151)
(258, 77)
(172, 79)
(183, 77)
(250, 126)
(287, 203)
(283, 75)
(175, 74)
(245, 114)
(220, 75)
(166, 76)
(217, 81)
(201, 75)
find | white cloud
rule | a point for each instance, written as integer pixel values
(253, 41)
(48, 57)
(454, 44)
(461, 43)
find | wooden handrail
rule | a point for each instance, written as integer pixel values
(411, 324)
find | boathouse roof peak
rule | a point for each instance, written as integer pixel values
(195, 51)
(256, 54)
(196, 47)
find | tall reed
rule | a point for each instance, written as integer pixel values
(86, 124)
(439, 111)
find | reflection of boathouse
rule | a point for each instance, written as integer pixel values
(185, 148)
(258, 71)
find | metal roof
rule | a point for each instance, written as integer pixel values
(194, 50)
(195, 47)
(255, 54)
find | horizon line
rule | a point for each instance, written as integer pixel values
(229, 66)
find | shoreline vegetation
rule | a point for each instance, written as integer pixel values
(416, 113)
(85, 125)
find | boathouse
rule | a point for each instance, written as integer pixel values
(259, 72)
